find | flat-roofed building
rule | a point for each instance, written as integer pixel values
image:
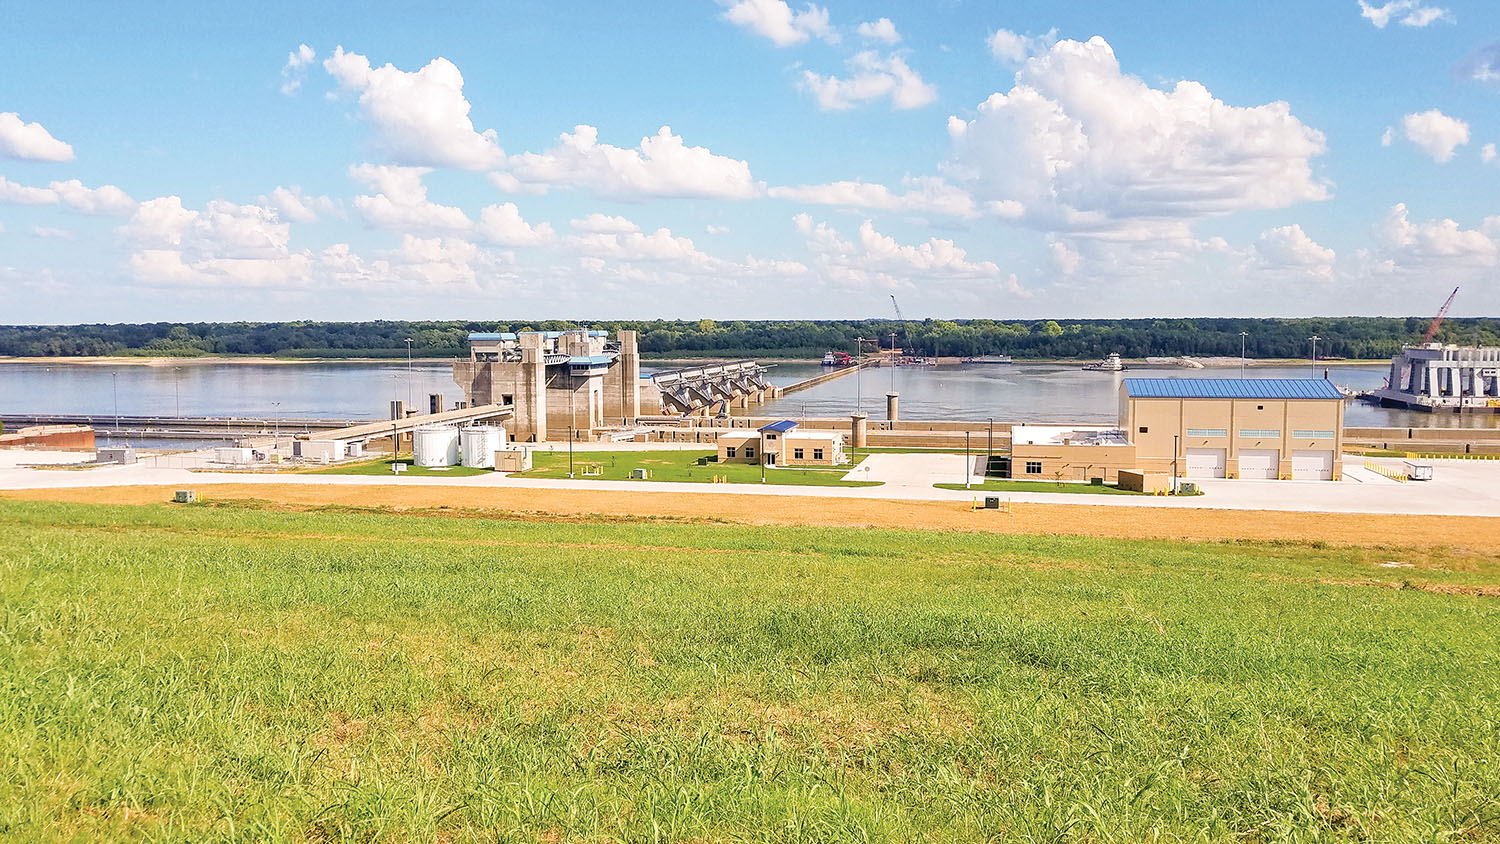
(781, 444)
(1261, 428)
(1069, 453)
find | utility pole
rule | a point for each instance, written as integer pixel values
(1243, 335)
(1313, 365)
(989, 449)
(276, 420)
(968, 463)
(893, 361)
(177, 387)
(114, 383)
(571, 422)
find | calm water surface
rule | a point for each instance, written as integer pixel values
(363, 390)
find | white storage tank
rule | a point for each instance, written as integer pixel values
(436, 445)
(480, 442)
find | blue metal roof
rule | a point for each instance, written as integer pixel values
(591, 360)
(490, 335)
(780, 427)
(1231, 388)
(553, 335)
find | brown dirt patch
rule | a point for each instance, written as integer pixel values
(1479, 534)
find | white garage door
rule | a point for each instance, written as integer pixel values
(1312, 465)
(1261, 463)
(1205, 462)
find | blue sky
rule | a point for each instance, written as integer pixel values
(510, 161)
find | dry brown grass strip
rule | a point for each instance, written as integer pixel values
(1471, 532)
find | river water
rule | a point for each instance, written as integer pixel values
(1025, 392)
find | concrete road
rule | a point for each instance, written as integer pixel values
(1460, 488)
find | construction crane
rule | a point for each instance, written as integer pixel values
(899, 316)
(1437, 321)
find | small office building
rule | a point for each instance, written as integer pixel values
(782, 444)
(1253, 428)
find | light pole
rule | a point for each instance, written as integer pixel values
(114, 384)
(1243, 335)
(276, 420)
(968, 462)
(893, 361)
(177, 387)
(1313, 364)
(571, 423)
(1174, 463)
(408, 372)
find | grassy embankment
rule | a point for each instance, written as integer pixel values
(682, 467)
(195, 673)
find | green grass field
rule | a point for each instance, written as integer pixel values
(682, 467)
(1066, 487)
(215, 673)
(382, 467)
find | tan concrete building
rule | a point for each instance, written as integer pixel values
(781, 444)
(1069, 453)
(1266, 428)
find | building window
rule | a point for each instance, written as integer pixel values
(817, 454)
(1312, 435)
(1143, 429)
(749, 451)
(770, 436)
(1260, 407)
(1033, 467)
(1260, 433)
(1208, 432)
(507, 400)
(796, 454)
(729, 451)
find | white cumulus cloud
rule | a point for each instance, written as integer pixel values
(420, 117)
(295, 69)
(603, 224)
(30, 141)
(775, 20)
(1289, 248)
(871, 77)
(1414, 13)
(294, 205)
(1078, 145)
(1436, 133)
(105, 200)
(877, 260)
(503, 225)
(662, 166)
(1014, 48)
(400, 201)
(1487, 153)
(1434, 244)
(929, 195)
(881, 30)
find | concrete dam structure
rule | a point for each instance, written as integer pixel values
(713, 389)
(1438, 377)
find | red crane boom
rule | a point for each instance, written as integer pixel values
(1437, 321)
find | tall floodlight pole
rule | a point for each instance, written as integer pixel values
(408, 372)
(1174, 463)
(177, 387)
(989, 448)
(1243, 335)
(968, 463)
(276, 420)
(1313, 363)
(114, 384)
(571, 423)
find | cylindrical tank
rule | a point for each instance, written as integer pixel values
(436, 445)
(480, 442)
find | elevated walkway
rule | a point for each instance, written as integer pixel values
(374, 430)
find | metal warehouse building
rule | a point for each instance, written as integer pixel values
(1271, 428)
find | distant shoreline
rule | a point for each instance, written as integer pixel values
(206, 360)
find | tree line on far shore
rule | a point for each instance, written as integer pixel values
(1340, 337)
